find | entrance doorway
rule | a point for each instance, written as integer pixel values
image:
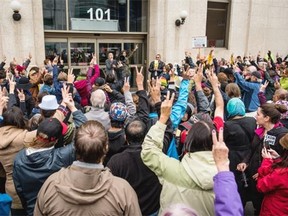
(77, 52)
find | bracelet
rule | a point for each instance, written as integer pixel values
(63, 109)
(22, 100)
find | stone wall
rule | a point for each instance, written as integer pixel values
(19, 38)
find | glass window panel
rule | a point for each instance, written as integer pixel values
(56, 48)
(81, 53)
(54, 14)
(138, 15)
(105, 48)
(136, 58)
(101, 10)
(216, 24)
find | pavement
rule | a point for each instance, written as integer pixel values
(249, 210)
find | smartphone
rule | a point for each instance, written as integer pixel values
(266, 145)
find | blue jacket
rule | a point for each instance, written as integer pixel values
(31, 171)
(177, 113)
(227, 199)
(179, 108)
(49, 89)
(250, 95)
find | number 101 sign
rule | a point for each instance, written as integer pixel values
(99, 13)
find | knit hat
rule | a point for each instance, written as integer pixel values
(23, 83)
(257, 74)
(118, 111)
(49, 130)
(100, 81)
(189, 109)
(49, 102)
(200, 117)
(20, 68)
(235, 107)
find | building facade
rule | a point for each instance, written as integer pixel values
(74, 29)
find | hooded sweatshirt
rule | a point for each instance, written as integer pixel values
(32, 169)
(12, 141)
(86, 191)
(189, 182)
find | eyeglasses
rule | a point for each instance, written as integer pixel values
(157, 57)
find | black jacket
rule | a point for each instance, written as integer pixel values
(129, 165)
(254, 159)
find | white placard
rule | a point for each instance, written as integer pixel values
(199, 42)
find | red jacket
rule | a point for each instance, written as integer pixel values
(84, 87)
(274, 185)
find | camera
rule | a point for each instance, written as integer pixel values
(121, 58)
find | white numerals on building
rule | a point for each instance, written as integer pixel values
(99, 14)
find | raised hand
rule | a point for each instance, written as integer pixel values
(12, 85)
(70, 76)
(220, 151)
(139, 78)
(166, 107)
(213, 79)
(67, 97)
(277, 85)
(21, 95)
(126, 86)
(264, 86)
(199, 75)
(55, 60)
(186, 74)
(154, 90)
(3, 102)
(107, 88)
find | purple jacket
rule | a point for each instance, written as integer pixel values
(227, 199)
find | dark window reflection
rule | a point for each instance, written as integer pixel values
(138, 15)
(53, 49)
(217, 14)
(136, 57)
(54, 14)
(105, 48)
(117, 11)
(81, 53)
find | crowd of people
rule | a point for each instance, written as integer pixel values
(204, 138)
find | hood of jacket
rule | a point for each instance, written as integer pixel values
(80, 84)
(8, 135)
(201, 167)
(116, 135)
(80, 186)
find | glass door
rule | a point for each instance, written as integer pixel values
(56, 47)
(77, 52)
(80, 53)
(136, 58)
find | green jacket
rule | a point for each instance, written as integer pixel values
(189, 181)
(284, 83)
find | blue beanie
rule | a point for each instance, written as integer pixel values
(235, 107)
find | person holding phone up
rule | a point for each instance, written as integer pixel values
(272, 180)
(268, 134)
